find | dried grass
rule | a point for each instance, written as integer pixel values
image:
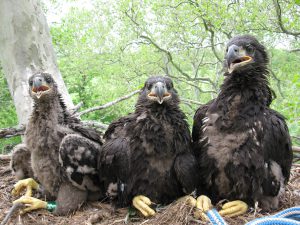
(103, 214)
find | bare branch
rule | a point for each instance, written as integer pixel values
(191, 101)
(295, 137)
(212, 38)
(278, 82)
(5, 157)
(12, 131)
(295, 50)
(108, 104)
(279, 19)
(191, 84)
(177, 67)
(16, 131)
(296, 149)
(95, 124)
(76, 108)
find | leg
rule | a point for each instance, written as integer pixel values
(21, 162)
(142, 203)
(69, 199)
(95, 195)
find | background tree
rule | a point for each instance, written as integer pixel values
(26, 47)
(106, 50)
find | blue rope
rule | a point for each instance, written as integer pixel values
(215, 218)
(290, 216)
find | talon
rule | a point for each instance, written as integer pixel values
(29, 184)
(142, 203)
(203, 203)
(189, 200)
(31, 203)
(234, 208)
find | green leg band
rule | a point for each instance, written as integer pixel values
(51, 206)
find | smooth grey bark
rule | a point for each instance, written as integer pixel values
(25, 48)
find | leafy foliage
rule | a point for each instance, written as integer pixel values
(8, 116)
(106, 50)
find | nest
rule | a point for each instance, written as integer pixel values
(180, 212)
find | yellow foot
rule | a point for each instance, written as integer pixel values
(203, 203)
(29, 184)
(234, 208)
(189, 200)
(31, 203)
(142, 204)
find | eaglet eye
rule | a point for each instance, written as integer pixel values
(169, 86)
(250, 48)
(48, 79)
(30, 83)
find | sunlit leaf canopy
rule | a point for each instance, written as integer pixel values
(106, 49)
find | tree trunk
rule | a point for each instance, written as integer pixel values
(25, 48)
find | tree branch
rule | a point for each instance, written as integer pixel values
(107, 104)
(278, 82)
(12, 131)
(212, 39)
(95, 124)
(279, 19)
(191, 101)
(177, 67)
(295, 50)
(296, 149)
(76, 108)
(16, 131)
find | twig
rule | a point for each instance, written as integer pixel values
(212, 39)
(95, 124)
(76, 108)
(177, 67)
(296, 148)
(5, 157)
(277, 81)
(11, 211)
(107, 104)
(279, 19)
(191, 101)
(295, 50)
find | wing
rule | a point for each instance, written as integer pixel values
(87, 132)
(21, 162)
(197, 129)
(79, 156)
(114, 166)
(187, 172)
(117, 126)
(114, 161)
(76, 125)
(277, 142)
(198, 117)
